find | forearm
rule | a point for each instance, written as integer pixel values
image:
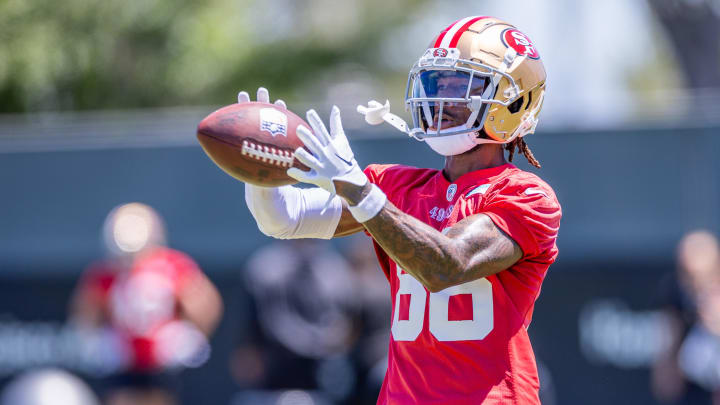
(469, 250)
(431, 257)
(472, 248)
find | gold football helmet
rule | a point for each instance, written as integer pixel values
(478, 75)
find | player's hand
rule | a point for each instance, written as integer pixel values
(257, 198)
(328, 155)
(180, 344)
(263, 96)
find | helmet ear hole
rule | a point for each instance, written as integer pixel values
(481, 134)
(529, 100)
(516, 105)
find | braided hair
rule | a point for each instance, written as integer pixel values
(519, 144)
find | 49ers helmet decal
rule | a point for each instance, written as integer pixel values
(479, 74)
(520, 42)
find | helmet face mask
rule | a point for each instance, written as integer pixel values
(438, 85)
(450, 91)
(479, 74)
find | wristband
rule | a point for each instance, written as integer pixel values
(369, 206)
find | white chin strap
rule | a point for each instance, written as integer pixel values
(447, 145)
(452, 144)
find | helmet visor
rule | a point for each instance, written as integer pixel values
(443, 96)
(448, 84)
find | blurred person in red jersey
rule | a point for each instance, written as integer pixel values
(148, 310)
(689, 371)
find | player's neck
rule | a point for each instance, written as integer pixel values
(482, 157)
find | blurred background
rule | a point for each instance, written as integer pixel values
(99, 101)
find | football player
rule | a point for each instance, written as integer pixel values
(465, 248)
(148, 309)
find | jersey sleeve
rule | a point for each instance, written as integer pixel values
(97, 279)
(528, 212)
(187, 270)
(378, 174)
(178, 266)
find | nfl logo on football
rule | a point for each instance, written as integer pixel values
(273, 121)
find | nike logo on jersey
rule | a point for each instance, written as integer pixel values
(478, 190)
(536, 190)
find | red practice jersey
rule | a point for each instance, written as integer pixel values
(140, 300)
(468, 344)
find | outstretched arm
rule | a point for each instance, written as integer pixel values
(472, 248)
(291, 213)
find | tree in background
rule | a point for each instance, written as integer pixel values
(93, 54)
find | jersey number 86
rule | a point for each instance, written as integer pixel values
(440, 326)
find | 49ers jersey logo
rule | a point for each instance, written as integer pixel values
(520, 42)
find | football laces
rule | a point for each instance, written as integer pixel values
(267, 154)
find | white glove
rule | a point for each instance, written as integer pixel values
(180, 344)
(329, 158)
(262, 97)
(288, 212)
(332, 159)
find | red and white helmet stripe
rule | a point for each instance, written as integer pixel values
(450, 37)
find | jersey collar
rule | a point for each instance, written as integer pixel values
(475, 178)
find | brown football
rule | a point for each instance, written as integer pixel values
(253, 142)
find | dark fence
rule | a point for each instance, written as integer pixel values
(627, 198)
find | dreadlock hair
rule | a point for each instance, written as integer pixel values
(519, 144)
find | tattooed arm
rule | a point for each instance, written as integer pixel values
(473, 248)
